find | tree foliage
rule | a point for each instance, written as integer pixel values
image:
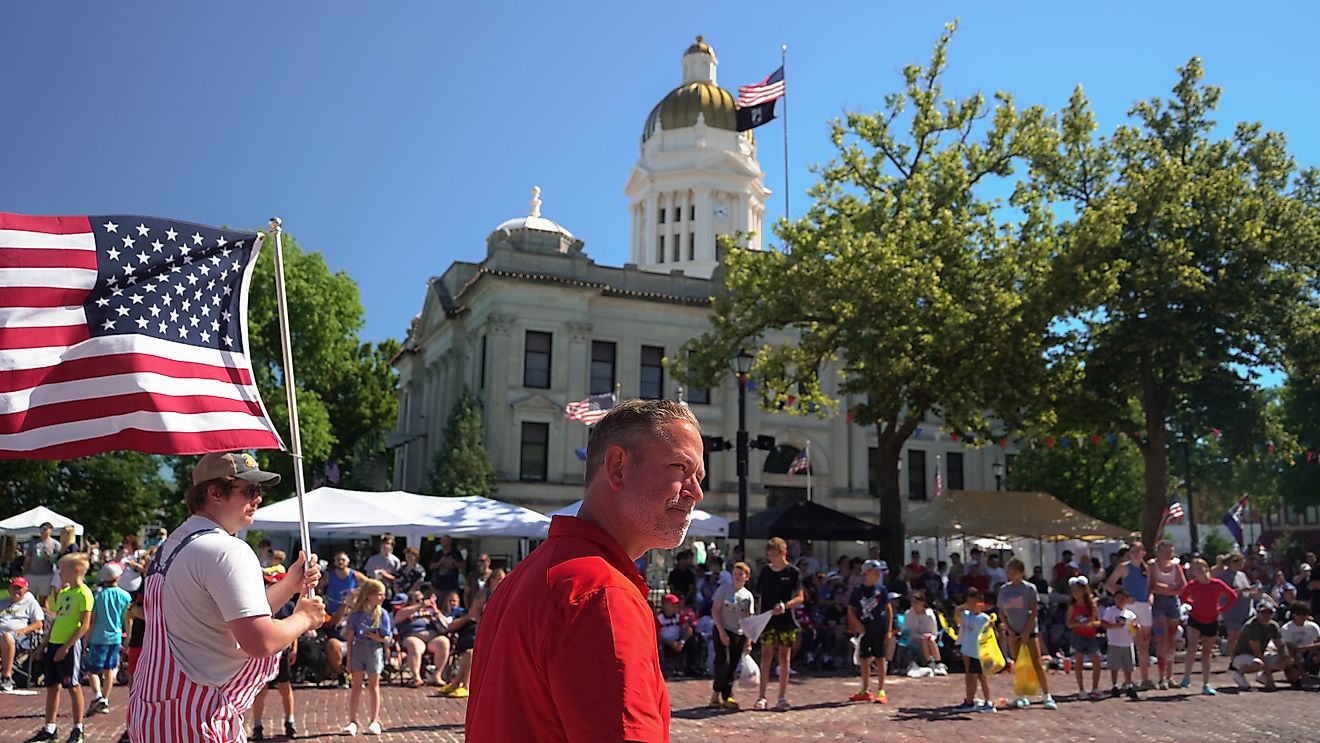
(904, 285)
(1187, 266)
(1101, 481)
(461, 466)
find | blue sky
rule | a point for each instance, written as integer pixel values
(393, 137)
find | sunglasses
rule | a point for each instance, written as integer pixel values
(251, 492)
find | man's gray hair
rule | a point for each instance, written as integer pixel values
(629, 424)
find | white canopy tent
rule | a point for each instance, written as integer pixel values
(351, 512)
(29, 522)
(704, 523)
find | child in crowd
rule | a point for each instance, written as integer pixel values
(1084, 628)
(730, 604)
(972, 619)
(1018, 604)
(61, 654)
(779, 589)
(1121, 626)
(1209, 598)
(1301, 638)
(922, 628)
(370, 630)
(109, 605)
(869, 614)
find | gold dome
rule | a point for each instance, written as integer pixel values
(700, 46)
(679, 109)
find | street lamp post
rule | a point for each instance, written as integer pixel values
(742, 365)
(998, 468)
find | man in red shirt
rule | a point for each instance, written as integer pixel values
(567, 649)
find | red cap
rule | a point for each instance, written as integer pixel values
(19, 581)
(669, 599)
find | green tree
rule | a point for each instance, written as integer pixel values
(461, 466)
(110, 494)
(1103, 481)
(905, 286)
(1186, 266)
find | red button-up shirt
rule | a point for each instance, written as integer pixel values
(566, 649)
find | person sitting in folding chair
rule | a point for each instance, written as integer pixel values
(21, 621)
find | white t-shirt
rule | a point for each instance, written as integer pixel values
(15, 615)
(917, 624)
(379, 562)
(1121, 636)
(213, 581)
(1307, 634)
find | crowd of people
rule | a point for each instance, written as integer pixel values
(1129, 616)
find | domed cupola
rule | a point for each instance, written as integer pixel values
(534, 232)
(699, 98)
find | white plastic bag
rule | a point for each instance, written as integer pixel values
(749, 674)
(754, 625)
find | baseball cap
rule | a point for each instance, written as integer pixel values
(1079, 580)
(110, 571)
(669, 599)
(1265, 605)
(884, 566)
(240, 465)
(872, 565)
(1305, 567)
(20, 581)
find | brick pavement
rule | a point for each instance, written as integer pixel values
(918, 708)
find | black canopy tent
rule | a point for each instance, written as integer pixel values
(807, 520)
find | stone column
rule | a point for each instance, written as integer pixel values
(704, 225)
(502, 368)
(579, 377)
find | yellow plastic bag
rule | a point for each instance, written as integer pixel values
(987, 646)
(1025, 682)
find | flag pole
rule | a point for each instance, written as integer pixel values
(783, 63)
(808, 470)
(286, 347)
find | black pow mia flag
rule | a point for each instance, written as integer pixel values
(754, 116)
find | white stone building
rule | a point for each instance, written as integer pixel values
(537, 324)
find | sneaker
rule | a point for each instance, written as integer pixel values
(782, 705)
(1132, 693)
(374, 728)
(258, 732)
(731, 703)
(99, 707)
(862, 696)
(1185, 683)
(716, 701)
(42, 736)
(941, 669)
(459, 693)
(1050, 703)
(1162, 685)
(966, 707)
(1021, 703)
(290, 730)
(881, 697)
(6, 684)
(76, 736)
(1240, 680)
(1115, 693)
(760, 704)
(343, 682)
(1208, 690)
(987, 706)
(350, 729)
(1147, 685)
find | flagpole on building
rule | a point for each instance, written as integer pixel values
(783, 59)
(286, 348)
(808, 470)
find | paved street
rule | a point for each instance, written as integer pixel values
(918, 708)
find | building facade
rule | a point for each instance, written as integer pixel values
(537, 324)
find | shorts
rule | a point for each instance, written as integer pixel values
(367, 657)
(784, 638)
(283, 667)
(1143, 611)
(466, 640)
(101, 658)
(1120, 658)
(131, 663)
(1272, 661)
(39, 584)
(871, 645)
(1084, 644)
(1166, 607)
(1207, 629)
(65, 673)
(972, 665)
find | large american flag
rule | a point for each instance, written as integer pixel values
(124, 332)
(768, 89)
(589, 410)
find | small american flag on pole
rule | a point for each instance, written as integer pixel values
(1173, 511)
(765, 91)
(589, 410)
(125, 332)
(799, 464)
(939, 483)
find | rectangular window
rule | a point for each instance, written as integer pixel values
(1312, 517)
(678, 214)
(653, 373)
(536, 359)
(602, 367)
(1291, 515)
(481, 379)
(535, 447)
(678, 248)
(955, 471)
(662, 215)
(660, 250)
(692, 246)
(916, 467)
(692, 211)
(697, 395)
